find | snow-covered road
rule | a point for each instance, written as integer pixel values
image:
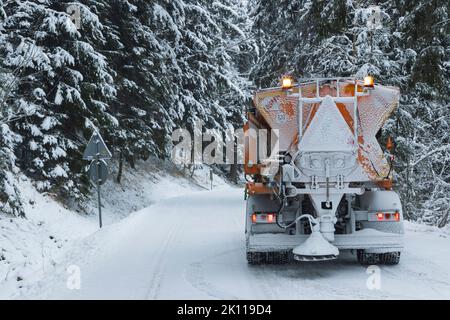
(193, 246)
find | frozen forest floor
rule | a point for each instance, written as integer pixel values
(190, 244)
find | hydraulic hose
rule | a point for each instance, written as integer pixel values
(308, 216)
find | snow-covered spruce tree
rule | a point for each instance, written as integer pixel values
(276, 27)
(329, 43)
(240, 49)
(209, 57)
(140, 60)
(177, 67)
(324, 38)
(410, 50)
(10, 200)
(203, 71)
(65, 86)
(424, 117)
(299, 37)
(176, 62)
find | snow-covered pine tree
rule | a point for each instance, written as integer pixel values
(213, 53)
(65, 86)
(233, 55)
(424, 117)
(276, 27)
(239, 47)
(411, 50)
(10, 200)
(189, 72)
(200, 63)
(176, 62)
(324, 38)
(135, 56)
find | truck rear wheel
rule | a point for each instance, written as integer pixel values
(389, 258)
(267, 257)
(367, 258)
(255, 257)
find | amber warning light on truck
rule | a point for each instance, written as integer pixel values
(369, 82)
(286, 83)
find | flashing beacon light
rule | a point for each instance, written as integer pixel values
(369, 82)
(286, 83)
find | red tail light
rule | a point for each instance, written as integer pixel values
(261, 217)
(385, 216)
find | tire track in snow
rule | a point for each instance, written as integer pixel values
(161, 262)
(194, 274)
(304, 281)
(263, 280)
(404, 272)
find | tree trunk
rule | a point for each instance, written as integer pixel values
(119, 174)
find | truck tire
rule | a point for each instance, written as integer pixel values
(277, 257)
(367, 258)
(256, 258)
(388, 258)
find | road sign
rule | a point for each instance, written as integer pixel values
(97, 150)
(98, 171)
(96, 146)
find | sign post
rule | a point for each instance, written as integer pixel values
(97, 180)
(211, 177)
(97, 152)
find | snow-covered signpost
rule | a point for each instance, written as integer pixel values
(211, 177)
(97, 152)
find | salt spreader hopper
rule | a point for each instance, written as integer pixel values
(323, 184)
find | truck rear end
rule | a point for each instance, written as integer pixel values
(322, 184)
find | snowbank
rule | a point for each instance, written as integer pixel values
(418, 227)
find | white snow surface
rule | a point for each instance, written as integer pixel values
(30, 247)
(189, 244)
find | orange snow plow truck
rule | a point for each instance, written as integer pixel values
(318, 179)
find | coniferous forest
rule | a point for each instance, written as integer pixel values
(136, 70)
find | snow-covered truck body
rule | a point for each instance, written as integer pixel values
(325, 184)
